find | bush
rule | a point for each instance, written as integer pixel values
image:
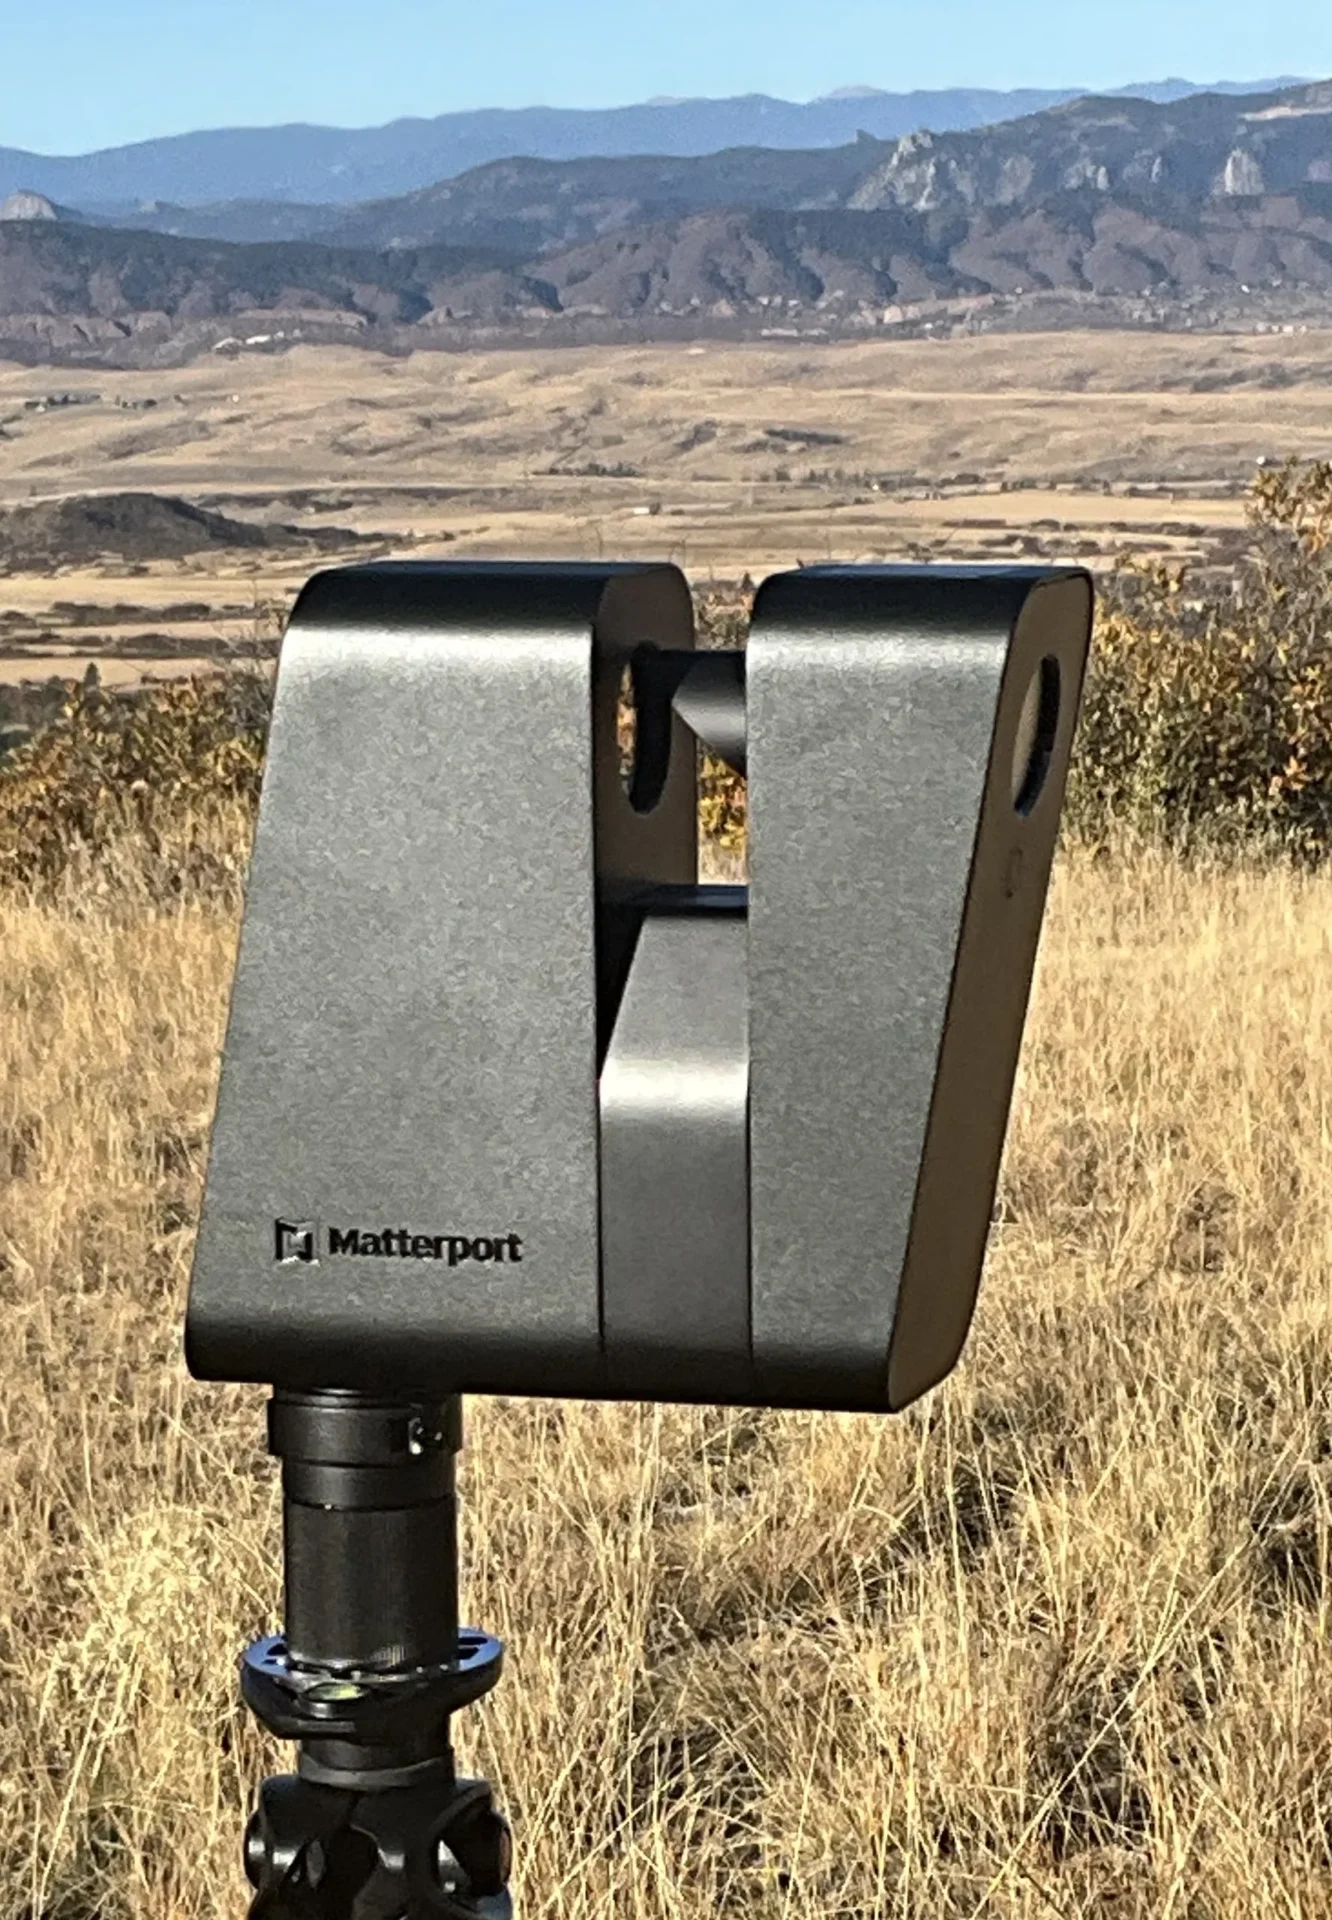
(1207, 721)
(1206, 724)
(174, 769)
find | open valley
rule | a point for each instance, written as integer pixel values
(727, 458)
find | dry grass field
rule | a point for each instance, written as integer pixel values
(726, 459)
(1052, 1644)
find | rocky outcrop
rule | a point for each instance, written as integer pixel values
(1206, 145)
(28, 206)
(1242, 175)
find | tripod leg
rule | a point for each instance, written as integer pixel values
(315, 1853)
(295, 1836)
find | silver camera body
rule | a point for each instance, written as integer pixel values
(511, 1104)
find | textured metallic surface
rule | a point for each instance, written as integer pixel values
(711, 702)
(457, 922)
(412, 1037)
(674, 1161)
(893, 886)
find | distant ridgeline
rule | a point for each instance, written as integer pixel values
(337, 166)
(1208, 209)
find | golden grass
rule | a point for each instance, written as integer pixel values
(1052, 1644)
(1132, 406)
(562, 453)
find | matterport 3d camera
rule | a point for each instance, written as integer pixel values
(511, 1104)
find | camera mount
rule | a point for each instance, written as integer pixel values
(367, 1673)
(511, 1104)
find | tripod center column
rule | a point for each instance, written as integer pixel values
(369, 1528)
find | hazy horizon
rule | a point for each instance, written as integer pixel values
(95, 78)
(668, 100)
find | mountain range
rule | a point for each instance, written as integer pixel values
(1202, 210)
(332, 166)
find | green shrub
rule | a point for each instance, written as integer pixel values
(174, 769)
(1207, 721)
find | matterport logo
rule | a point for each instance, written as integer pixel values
(305, 1241)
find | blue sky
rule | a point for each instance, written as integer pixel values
(79, 74)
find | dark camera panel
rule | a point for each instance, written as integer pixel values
(509, 1104)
